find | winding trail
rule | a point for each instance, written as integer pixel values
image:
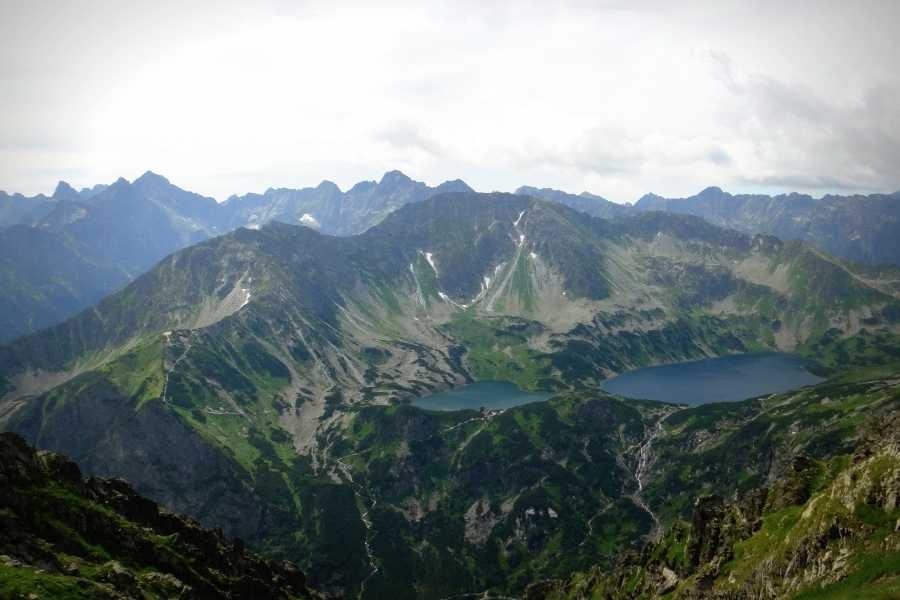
(187, 349)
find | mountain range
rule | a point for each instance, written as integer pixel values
(63, 253)
(259, 381)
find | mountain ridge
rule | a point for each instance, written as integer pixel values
(101, 229)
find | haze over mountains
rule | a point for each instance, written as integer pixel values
(61, 254)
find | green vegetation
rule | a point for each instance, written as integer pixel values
(65, 537)
(497, 349)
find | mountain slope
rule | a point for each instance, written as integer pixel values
(596, 206)
(822, 525)
(90, 244)
(66, 537)
(859, 228)
(45, 278)
(114, 233)
(330, 210)
(106, 236)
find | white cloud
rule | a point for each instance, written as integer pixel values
(616, 97)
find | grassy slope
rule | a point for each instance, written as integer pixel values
(827, 529)
(68, 538)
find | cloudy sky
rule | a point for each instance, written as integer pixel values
(617, 98)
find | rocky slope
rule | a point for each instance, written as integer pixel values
(233, 380)
(85, 246)
(596, 206)
(859, 228)
(330, 210)
(823, 526)
(61, 254)
(108, 235)
(68, 537)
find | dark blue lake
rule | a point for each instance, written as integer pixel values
(722, 379)
(489, 394)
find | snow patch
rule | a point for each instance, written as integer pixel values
(310, 221)
(448, 300)
(485, 286)
(519, 218)
(533, 255)
(430, 258)
(253, 226)
(521, 239)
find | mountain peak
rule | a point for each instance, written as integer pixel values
(64, 191)
(362, 186)
(712, 191)
(151, 178)
(394, 178)
(328, 186)
(651, 201)
(454, 185)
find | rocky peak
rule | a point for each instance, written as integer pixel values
(650, 201)
(362, 187)
(328, 187)
(65, 192)
(393, 179)
(151, 178)
(712, 192)
(455, 185)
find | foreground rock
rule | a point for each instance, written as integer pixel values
(68, 537)
(825, 529)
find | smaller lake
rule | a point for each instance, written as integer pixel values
(489, 394)
(722, 379)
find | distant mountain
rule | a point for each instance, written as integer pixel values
(330, 210)
(82, 246)
(104, 236)
(46, 277)
(258, 381)
(110, 234)
(596, 206)
(860, 228)
(17, 209)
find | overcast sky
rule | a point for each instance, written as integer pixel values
(617, 98)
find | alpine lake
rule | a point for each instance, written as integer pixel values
(721, 379)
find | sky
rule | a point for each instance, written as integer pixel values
(618, 98)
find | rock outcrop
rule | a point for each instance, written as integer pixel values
(65, 536)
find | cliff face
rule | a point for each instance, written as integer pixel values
(69, 537)
(823, 528)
